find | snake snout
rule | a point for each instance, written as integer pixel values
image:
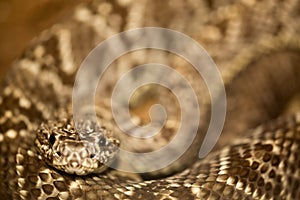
(75, 157)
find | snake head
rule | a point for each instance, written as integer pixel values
(87, 149)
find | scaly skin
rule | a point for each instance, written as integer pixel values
(256, 47)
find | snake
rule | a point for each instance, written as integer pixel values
(255, 45)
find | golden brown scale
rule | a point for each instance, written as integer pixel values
(256, 47)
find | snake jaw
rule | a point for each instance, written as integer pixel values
(76, 157)
(67, 150)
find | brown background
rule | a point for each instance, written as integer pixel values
(20, 21)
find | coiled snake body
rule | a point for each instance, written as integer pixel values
(256, 47)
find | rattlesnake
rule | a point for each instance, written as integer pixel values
(256, 47)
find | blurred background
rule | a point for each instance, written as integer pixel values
(21, 21)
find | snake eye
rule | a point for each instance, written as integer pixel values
(102, 141)
(92, 155)
(52, 139)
